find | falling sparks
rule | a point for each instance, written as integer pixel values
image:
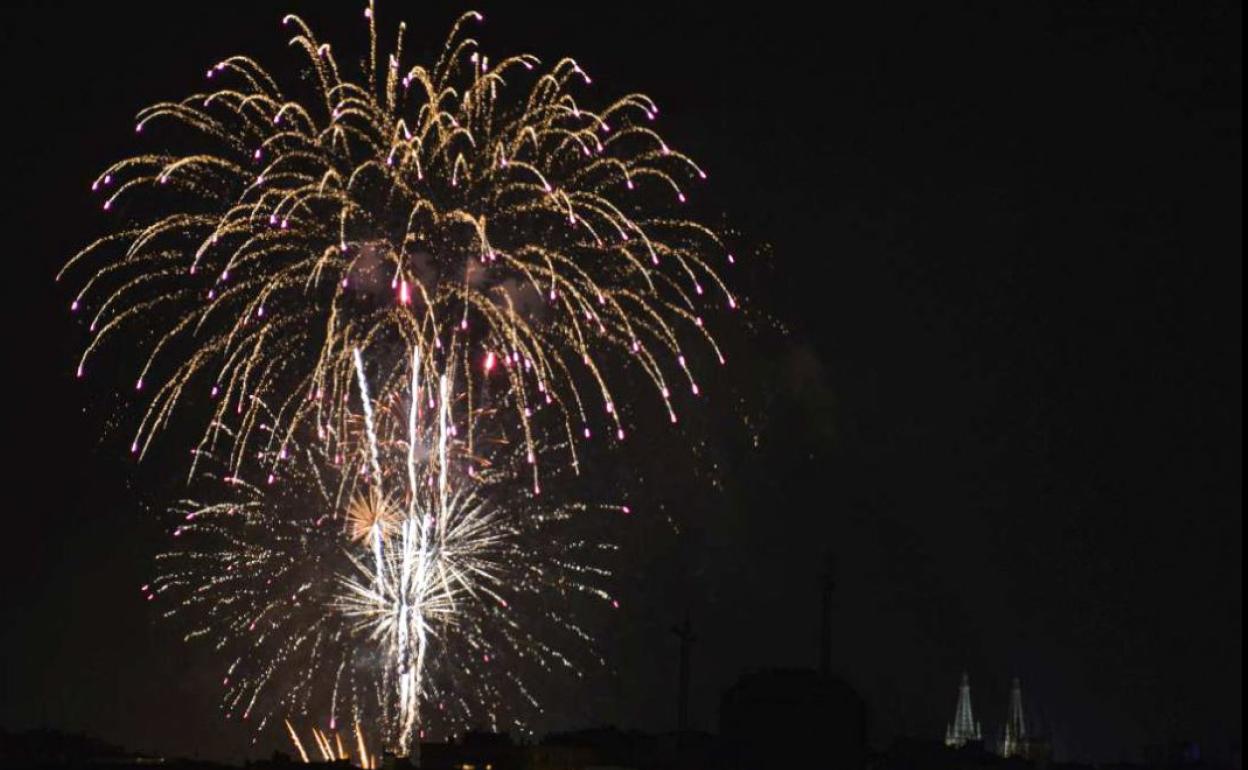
(404, 298)
(471, 207)
(391, 583)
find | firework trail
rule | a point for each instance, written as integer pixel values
(402, 299)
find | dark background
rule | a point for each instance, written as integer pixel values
(1006, 246)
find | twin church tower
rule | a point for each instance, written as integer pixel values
(1017, 742)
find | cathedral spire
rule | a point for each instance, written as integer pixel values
(964, 729)
(1015, 724)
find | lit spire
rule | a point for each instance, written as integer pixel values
(1015, 724)
(964, 728)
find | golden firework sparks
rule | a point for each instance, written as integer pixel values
(294, 274)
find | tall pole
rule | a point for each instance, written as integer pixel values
(828, 584)
(683, 632)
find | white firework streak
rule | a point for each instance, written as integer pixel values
(533, 244)
(447, 581)
(441, 553)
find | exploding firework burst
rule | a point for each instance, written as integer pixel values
(399, 297)
(410, 586)
(447, 207)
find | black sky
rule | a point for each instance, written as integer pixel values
(1006, 245)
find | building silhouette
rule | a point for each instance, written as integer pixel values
(792, 718)
(799, 718)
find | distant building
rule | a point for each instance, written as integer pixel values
(477, 750)
(283, 761)
(921, 754)
(964, 729)
(53, 748)
(1021, 742)
(792, 718)
(1015, 724)
(600, 747)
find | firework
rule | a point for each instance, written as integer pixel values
(464, 207)
(430, 598)
(334, 750)
(402, 299)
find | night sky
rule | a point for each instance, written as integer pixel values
(992, 363)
